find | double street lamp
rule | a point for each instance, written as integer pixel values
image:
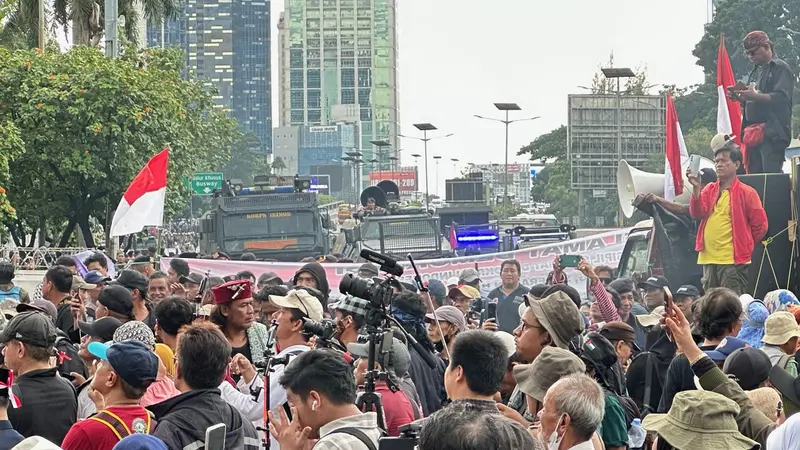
(425, 127)
(506, 107)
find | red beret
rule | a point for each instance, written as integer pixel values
(232, 290)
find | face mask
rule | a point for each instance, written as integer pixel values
(554, 441)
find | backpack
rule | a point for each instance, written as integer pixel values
(119, 428)
(628, 406)
(789, 364)
(15, 293)
(67, 359)
(643, 383)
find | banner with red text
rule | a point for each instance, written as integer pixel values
(536, 263)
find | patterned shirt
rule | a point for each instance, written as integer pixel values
(366, 422)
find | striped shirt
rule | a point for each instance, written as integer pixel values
(366, 422)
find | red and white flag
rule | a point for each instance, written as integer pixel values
(729, 112)
(143, 202)
(677, 156)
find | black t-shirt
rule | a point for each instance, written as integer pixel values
(679, 378)
(244, 350)
(49, 405)
(508, 306)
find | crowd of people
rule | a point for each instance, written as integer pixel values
(154, 360)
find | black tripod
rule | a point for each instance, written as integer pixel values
(266, 368)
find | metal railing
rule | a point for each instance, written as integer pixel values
(36, 258)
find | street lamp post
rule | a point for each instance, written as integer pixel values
(380, 144)
(618, 73)
(506, 107)
(455, 172)
(425, 127)
(437, 158)
(416, 174)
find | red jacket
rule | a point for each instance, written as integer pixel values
(748, 218)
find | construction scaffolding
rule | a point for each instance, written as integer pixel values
(602, 129)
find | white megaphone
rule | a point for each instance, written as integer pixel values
(632, 182)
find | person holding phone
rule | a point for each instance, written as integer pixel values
(767, 105)
(732, 220)
(509, 295)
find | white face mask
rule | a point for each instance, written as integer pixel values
(554, 440)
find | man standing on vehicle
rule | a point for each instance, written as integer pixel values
(767, 106)
(732, 221)
(509, 295)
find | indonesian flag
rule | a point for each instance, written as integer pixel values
(143, 201)
(677, 156)
(729, 112)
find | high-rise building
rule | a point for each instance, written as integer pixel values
(338, 63)
(228, 47)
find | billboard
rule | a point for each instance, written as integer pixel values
(321, 184)
(406, 179)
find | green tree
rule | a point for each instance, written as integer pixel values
(89, 124)
(278, 165)
(247, 160)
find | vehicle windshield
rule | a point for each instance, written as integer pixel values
(637, 260)
(268, 223)
(400, 228)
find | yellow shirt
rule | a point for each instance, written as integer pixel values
(718, 237)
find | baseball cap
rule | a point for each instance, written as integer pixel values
(8, 307)
(302, 300)
(398, 359)
(558, 315)
(707, 175)
(42, 306)
(205, 310)
(654, 283)
(720, 140)
(102, 328)
(469, 275)
(193, 278)
(620, 331)
(551, 365)
(436, 288)
(449, 314)
(95, 277)
(352, 305)
(131, 279)
(725, 348)
(269, 279)
(79, 283)
(117, 299)
(787, 384)
(139, 441)
(133, 361)
(137, 331)
(687, 290)
(779, 328)
(32, 328)
(452, 281)
(465, 290)
(508, 341)
(368, 269)
(652, 319)
(747, 366)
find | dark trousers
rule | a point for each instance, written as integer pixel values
(731, 276)
(766, 157)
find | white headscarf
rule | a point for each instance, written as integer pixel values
(786, 436)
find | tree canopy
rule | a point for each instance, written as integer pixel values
(86, 125)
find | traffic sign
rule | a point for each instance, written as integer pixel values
(205, 183)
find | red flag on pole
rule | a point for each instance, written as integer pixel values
(729, 112)
(143, 201)
(677, 155)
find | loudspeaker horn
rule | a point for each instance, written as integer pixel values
(632, 182)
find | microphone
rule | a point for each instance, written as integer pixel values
(387, 264)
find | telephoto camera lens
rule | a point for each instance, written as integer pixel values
(356, 287)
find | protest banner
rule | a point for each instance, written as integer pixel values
(536, 263)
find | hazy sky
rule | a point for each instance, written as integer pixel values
(459, 57)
